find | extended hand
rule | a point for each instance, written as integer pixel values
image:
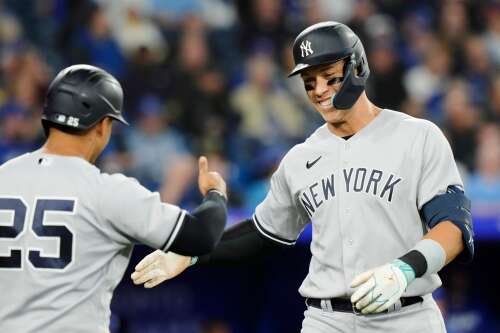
(158, 267)
(379, 288)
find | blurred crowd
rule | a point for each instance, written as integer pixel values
(210, 77)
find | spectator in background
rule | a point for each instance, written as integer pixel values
(199, 103)
(18, 129)
(362, 11)
(269, 115)
(11, 31)
(453, 28)
(324, 10)
(428, 80)
(40, 22)
(23, 80)
(461, 122)
(11, 36)
(27, 78)
(270, 118)
(94, 44)
(416, 37)
(484, 183)
(493, 108)
(491, 12)
(160, 158)
(172, 15)
(146, 74)
(262, 19)
(27, 75)
(135, 31)
(385, 85)
(220, 17)
(144, 46)
(477, 69)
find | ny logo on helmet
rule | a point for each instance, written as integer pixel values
(305, 48)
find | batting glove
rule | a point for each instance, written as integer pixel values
(380, 288)
(158, 267)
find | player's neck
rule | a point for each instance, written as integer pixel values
(62, 144)
(360, 115)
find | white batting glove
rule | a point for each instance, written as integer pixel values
(381, 287)
(159, 266)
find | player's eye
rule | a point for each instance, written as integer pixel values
(308, 85)
(335, 80)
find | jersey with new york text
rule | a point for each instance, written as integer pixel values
(362, 195)
(66, 235)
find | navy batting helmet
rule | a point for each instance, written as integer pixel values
(80, 96)
(328, 42)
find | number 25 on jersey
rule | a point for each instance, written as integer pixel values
(13, 228)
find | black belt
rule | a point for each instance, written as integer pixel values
(345, 305)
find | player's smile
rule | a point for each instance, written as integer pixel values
(325, 103)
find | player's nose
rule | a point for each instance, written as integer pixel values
(321, 87)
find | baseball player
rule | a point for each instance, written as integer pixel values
(381, 190)
(67, 230)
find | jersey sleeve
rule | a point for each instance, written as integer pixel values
(131, 213)
(439, 169)
(277, 217)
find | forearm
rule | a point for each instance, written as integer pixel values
(449, 237)
(449, 218)
(436, 249)
(202, 229)
(240, 243)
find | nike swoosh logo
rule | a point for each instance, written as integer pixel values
(310, 164)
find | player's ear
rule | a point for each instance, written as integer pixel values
(99, 127)
(102, 127)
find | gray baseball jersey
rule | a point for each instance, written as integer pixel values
(362, 196)
(66, 235)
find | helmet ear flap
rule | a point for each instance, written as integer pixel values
(352, 85)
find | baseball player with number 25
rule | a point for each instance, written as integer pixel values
(381, 190)
(67, 230)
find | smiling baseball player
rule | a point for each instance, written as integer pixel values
(381, 190)
(67, 230)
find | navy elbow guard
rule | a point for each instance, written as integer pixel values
(455, 207)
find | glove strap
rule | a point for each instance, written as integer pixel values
(194, 260)
(406, 269)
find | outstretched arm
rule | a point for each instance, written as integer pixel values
(242, 242)
(239, 243)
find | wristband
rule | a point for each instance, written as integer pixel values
(434, 255)
(427, 257)
(194, 260)
(218, 192)
(407, 270)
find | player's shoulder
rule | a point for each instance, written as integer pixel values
(116, 180)
(14, 162)
(115, 189)
(311, 143)
(408, 123)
